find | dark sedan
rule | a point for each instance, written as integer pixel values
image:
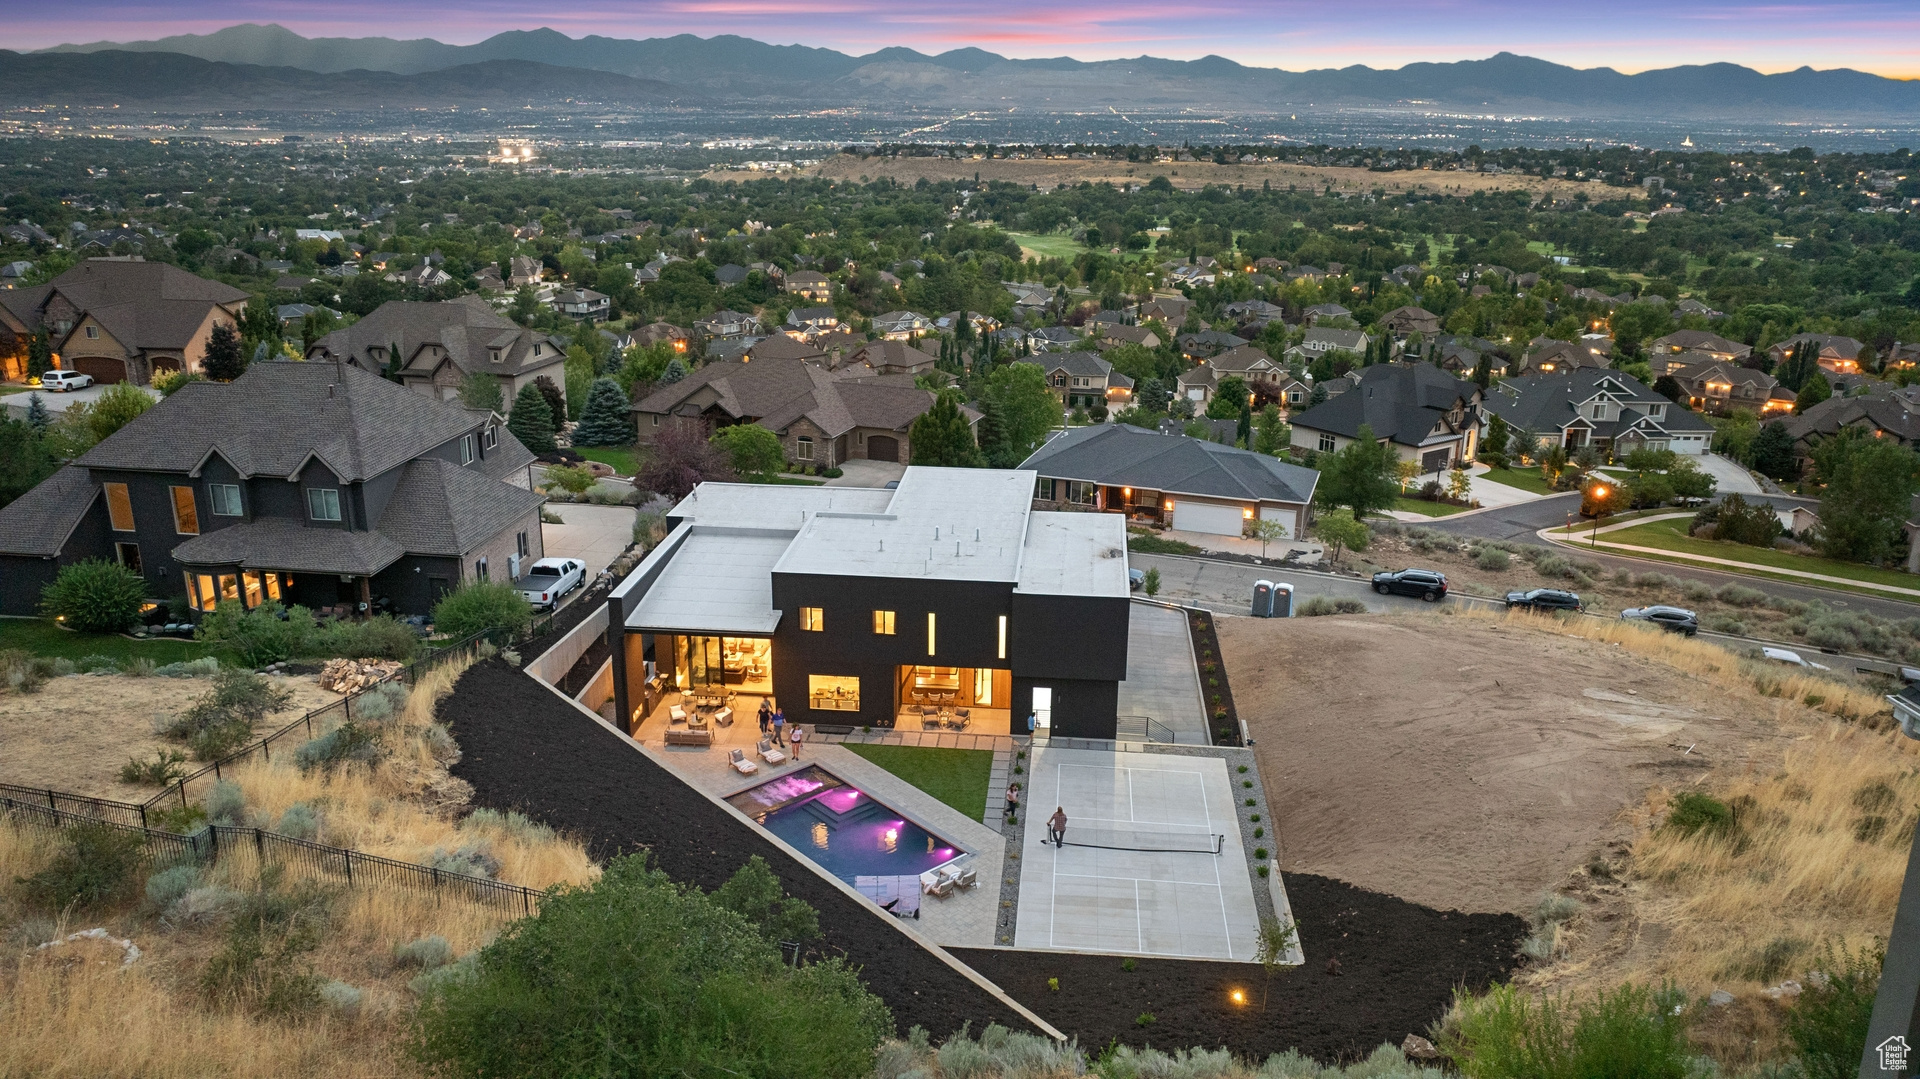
(1671, 619)
(1428, 584)
(1545, 599)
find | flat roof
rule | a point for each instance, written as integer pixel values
(956, 524)
(1075, 554)
(774, 505)
(717, 580)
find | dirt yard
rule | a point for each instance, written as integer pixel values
(1465, 763)
(1191, 175)
(76, 733)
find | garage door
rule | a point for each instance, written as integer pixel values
(104, 369)
(1206, 517)
(882, 448)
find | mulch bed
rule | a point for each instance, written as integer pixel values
(523, 748)
(585, 667)
(1399, 963)
(1224, 728)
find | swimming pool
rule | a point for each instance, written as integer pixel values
(842, 827)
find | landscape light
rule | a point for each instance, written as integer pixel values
(1239, 996)
(1600, 491)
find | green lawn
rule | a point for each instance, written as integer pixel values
(42, 637)
(1427, 509)
(957, 777)
(1672, 536)
(1526, 479)
(622, 459)
(1057, 245)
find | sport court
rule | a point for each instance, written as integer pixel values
(1102, 892)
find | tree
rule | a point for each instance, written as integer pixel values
(942, 436)
(531, 420)
(481, 607)
(1688, 481)
(1869, 487)
(1459, 484)
(1340, 529)
(607, 419)
(25, 459)
(224, 360)
(638, 975)
(674, 372)
(1813, 391)
(1274, 435)
(1267, 530)
(95, 596)
(679, 460)
(482, 390)
(1363, 476)
(751, 449)
(555, 397)
(391, 372)
(571, 479)
(115, 408)
(578, 373)
(1026, 407)
(1275, 943)
(39, 353)
(1771, 453)
(1498, 436)
(1229, 397)
(1669, 387)
(754, 893)
(1243, 430)
(1150, 582)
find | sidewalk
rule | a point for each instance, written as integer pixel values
(1553, 536)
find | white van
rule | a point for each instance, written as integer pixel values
(62, 381)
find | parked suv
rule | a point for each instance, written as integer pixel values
(1672, 619)
(1428, 584)
(61, 381)
(1545, 599)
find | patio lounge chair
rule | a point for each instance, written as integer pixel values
(961, 712)
(940, 888)
(676, 714)
(769, 754)
(738, 759)
(968, 878)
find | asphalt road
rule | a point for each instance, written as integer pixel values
(1518, 524)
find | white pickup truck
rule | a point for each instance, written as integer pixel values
(550, 578)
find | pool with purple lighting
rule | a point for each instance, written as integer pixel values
(842, 827)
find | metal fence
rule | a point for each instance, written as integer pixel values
(131, 814)
(215, 843)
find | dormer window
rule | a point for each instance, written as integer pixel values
(494, 355)
(490, 438)
(467, 451)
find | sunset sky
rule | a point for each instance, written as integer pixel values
(1629, 35)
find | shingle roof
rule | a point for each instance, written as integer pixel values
(776, 392)
(279, 543)
(1889, 408)
(441, 508)
(1239, 360)
(782, 347)
(141, 304)
(1399, 401)
(466, 328)
(1705, 341)
(1124, 455)
(271, 419)
(39, 521)
(1549, 401)
(1077, 364)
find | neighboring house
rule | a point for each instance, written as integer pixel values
(1402, 322)
(1320, 340)
(1594, 406)
(730, 275)
(118, 320)
(854, 614)
(26, 232)
(1266, 378)
(442, 343)
(1252, 313)
(812, 284)
(1171, 310)
(489, 279)
(726, 325)
(1427, 415)
(1188, 484)
(901, 326)
(1109, 335)
(654, 333)
(1719, 387)
(1204, 344)
(1053, 339)
(1695, 307)
(584, 304)
(812, 319)
(13, 272)
(782, 347)
(821, 419)
(1712, 344)
(1837, 355)
(982, 324)
(1083, 380)
(1101, 320)
(425, 275)
(1886, 411)
(1321, 312)
(1903, 356)
(893, 358)
(310, 483)
(1546, 355)
(522, 270)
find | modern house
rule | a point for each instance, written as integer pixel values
(1084, 380)
(117, 319)
(441, 344)
(854, 607)
(1427, 415)
(822, 417)
(1188, 484)
(1591, 406)
(311, 483)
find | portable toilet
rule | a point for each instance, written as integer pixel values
(1263, 599)
(1282, 601)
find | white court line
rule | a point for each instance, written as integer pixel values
(1053, 882)
(1129, 820)
(1149, 880)
(1221, 890)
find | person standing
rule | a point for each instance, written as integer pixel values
(1013, 799)
(1031, 719)
(1057, 826)
(779, 727)
(766, 716)
(794, 739)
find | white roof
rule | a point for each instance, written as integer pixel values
(768, 505)
(1075, 554)
(955, 524)
(716, 580)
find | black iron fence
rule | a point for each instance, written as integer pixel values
(216, 843)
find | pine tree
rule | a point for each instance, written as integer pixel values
(39, 353)
(606, 421)
(1244, 430)
(532, 419)
(392, 372)
(675, 372)
(223, 361)
(993, 435)
(941, 436)
(37, 417)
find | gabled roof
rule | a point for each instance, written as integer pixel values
(1401, 402)
(1895, 410)
(440, 508)
(1123, 455)
(1551, 401)
(892, 354)
(1703, 340)
(466, 328)
(1844, 347)
(782, 347)
(1076, 364)
(39, 521)
(142, 305)
(777, 392)
(279, 414)
(1238, 360)
(1349, 340)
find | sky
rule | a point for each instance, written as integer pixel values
(1628, 35)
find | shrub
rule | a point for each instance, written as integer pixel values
(514, 824)
(163, 769)
(1492, 559)
(1694, 812)
(427, 953)
(227, 803)
(1740, 595)
(263, 963)
(1631, 1031)
(223, 719)
(26, 673)
(97, 864)
(204, 906)
(473, 859)
(1326, 605)
(95, 596)
(379, 703)
(1828, 1024)
(380, 637)
(1551, 565)
(299, 821)
(341, 997)
(350, 741)
(637, 968)
(267, 634)
(204, 667)
(481, 607)
(166, 887)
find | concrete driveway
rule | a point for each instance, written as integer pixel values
(57, 403)
(594, 534)
(860, 473)
(1162, 683)
(1733, 477)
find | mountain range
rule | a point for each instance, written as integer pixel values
(256, 64)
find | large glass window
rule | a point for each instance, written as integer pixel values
(119, 507)
(323, 503)
(744, 664)
(883, 623)
(226, 499)
(186, 520)
(833, 693)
